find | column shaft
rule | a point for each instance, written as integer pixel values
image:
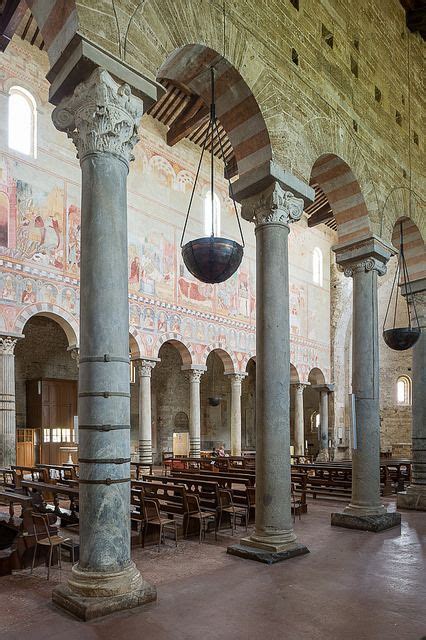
(194, 414)
(299, 422)
(323, 435)
(236, 380)
(7, 402)
(145, 421)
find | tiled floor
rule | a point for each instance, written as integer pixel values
(352, 586)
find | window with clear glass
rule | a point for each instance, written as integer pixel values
(66, 435)
(210, 224)
(22, 129)
(317, 266)
(46, 435)
(56, 435)
(403, 390)
(132, 371)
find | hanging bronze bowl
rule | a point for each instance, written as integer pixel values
(401, 338)
(212, 259)
(214, 401)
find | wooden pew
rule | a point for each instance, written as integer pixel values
(58, 473)
(36, 474)
(140, 469)
(7, 478)
(45, 490)
(206, 490)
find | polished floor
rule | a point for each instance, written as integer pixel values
(352, 586)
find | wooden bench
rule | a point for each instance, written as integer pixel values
(45, 490)
(140, 469)
(58, 473)
(35, 473)
(7, 478)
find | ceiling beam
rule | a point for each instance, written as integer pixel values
(324, 214)
(188, 123)
(12, 15)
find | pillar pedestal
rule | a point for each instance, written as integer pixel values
(364, 261)
(415, 495)
(101, 118)
(7, 399)
(273, 539)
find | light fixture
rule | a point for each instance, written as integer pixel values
(212, 259)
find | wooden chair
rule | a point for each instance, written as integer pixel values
(194, 511)
(151, 509)
(137, 516)
(44, 538)
(297, 503)
(226, 505)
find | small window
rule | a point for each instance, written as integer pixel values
(355, 125)
(415, 138)
(46, 435)
(295, 57)
(132, 370)
(398, 118)
(22, 121)
(66, 435)
(56, 435)
(403, 390)
(354, 67)
(315, 421)
(377, 94)
(317, 266)
(327, 36)
(209, 223)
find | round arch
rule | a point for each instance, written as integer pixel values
(134, 344)
(401, 202)
(236, 107)
(65, 320)
(316, 376)
(294, 375)
(229, 361)
(186, 352)
(414, 247)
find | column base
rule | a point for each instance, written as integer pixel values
(266, 553)
(413, 498)
(366, 522)
(90, 595)
(89, 608)
(323, 456)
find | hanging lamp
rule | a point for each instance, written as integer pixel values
(402, 338)
(212, 259)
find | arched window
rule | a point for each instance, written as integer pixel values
(208, 214)
(22, 121)
(315, 421)
(403, 390)
(317, 266)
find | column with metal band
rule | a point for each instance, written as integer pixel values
(236, 380)
(299, 421)
(101, 118)
(364, 261)
(144, 369)
(7, 399)
(415, 495)
(273, 539)
(324, 390)
(194, 377)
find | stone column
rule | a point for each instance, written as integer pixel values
(144, 369)
(194, 377)
(101, 118)
(236, 380)
(323, 455)
(299, 420)
(364, 262)
(7, 399)
(273, 539)
(415, 495)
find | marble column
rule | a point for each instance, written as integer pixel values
(299, 420)
(364, 262)
(273, 538)
(415, 495)
(144, 369)
(236, 380)
(323, 455)
(7, 399)
(194, 377)
(101, 118)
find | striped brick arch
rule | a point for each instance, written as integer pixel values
(343, 193)
(236, 107)
(414, 247)
(57, 21)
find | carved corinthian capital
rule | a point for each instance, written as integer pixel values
(100, 116)
(273, 205)
(7, 345)
(368, 264)
(145, 368)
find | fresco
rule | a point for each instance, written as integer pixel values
(73, 227)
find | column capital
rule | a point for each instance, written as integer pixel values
(363, 255)
(145, 366)
(272, 205)
(100, 116)
(193, 375)
(325, 386)
(300, 386)
(74, 351)
(236, 378)
(8, 343)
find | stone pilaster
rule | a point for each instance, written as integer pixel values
(271, 211)
(299, 421)
(415, 495)
(101, 118)
(7, 400)
(236, 380)
(144, 369)
(194, 377)
(364, 262)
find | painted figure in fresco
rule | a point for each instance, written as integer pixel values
(28, 295)
(162, 322)
(74, 227)
(135, 271)
(243, 296)
(175, 326)
(9, 292)
(50, 294)
(68, 300)
(149, 320)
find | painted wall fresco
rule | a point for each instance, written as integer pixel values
(40, 246)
